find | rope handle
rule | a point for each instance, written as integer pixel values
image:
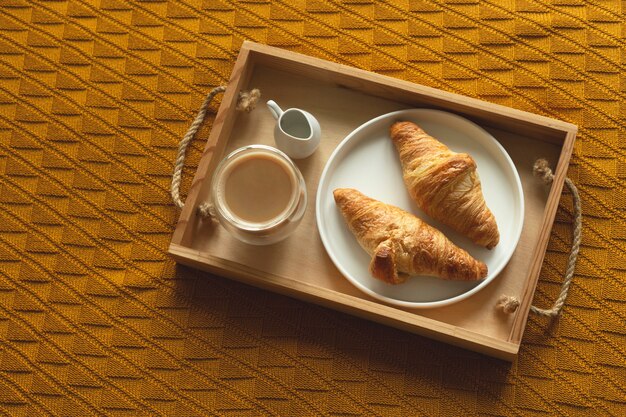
(509, 304)
(246, 101)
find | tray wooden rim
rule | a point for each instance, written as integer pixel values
(252, 54)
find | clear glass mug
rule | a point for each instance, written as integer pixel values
(265, 231)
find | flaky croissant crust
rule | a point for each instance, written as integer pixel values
(402, 244)
(444, 184)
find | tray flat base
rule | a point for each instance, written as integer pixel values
(301, 259)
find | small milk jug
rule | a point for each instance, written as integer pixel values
(297, 132)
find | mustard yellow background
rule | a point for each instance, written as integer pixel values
(96, 319)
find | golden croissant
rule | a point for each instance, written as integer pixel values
(401, 244)
(444, 184)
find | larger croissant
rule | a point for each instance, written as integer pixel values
(401, 244)
(444, 184)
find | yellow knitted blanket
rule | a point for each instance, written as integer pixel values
(95, 318)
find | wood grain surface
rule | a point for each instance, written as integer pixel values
(342, 99)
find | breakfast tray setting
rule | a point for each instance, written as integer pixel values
(346, 101)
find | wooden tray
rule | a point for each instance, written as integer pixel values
(342, 98)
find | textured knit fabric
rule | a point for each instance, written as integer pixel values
(96, 319)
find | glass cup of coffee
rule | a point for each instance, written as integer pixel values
(259, 194)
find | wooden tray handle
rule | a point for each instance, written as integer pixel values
(509, 304)
(246, 102)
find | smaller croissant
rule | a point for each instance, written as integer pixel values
(444, 184)
(401, 244)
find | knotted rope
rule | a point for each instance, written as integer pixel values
(246, 102)
(509, 304)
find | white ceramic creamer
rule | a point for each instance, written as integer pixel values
(297, 132)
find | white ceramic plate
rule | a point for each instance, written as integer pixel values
(367, 160)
